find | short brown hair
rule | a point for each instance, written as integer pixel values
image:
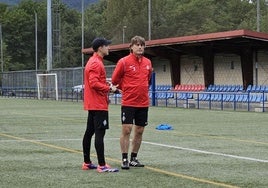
(137, 40)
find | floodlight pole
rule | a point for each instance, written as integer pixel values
(82, 44)
(49, 36)
(123, 37)
(36, 43)
(256, 53)
(149, 19)
(258, 15)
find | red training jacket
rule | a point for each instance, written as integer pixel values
(95, 86)
(133, 76)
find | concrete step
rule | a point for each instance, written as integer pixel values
(260, 109)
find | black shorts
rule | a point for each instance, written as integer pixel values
(134, 115)
(98, 119)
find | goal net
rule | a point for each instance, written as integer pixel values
(47, 86)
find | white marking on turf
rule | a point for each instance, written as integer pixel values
(155, 144)
(208, 152)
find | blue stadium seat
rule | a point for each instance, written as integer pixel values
(249, 88)
(189, 95)
(225, 97)
(258, 88)
(236, 88)
(217, 88)
(258, 98)
(214, 88)
(245, 98)
(238, 98)
(232, 97)
(200, 97)
(181, 96)
(162, 96)
(170, 95)
(219, 98)
(261, 88)
(213, 97)
(253, 98)
(203, 96)
(266, 89)
(209, 88)
(208, 96)
(229, 88)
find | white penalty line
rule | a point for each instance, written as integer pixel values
(208, 152)
(155, 144)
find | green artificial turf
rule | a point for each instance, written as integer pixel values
(41, 146)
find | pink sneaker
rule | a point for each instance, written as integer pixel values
(106, 168)
(88, 166)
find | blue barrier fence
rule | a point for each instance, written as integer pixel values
(246, 101)
(242, 100)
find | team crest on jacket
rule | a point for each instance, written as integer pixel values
(132, 67)
(147, 67)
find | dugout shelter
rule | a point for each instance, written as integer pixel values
(230, 57)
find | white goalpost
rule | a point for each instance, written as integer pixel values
(47, 86)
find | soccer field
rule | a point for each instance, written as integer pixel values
(41, 146)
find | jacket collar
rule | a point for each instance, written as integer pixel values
(96, 55)
(133, 56)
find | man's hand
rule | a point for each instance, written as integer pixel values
(114, 89)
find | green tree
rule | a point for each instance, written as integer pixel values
(95, 20)
(70, 33)
(19, 26)
(170, 18)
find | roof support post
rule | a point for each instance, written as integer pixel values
(208, 64)
(246, 56)
(175, 69)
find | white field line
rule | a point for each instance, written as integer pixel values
(208, 152)
(155, 144)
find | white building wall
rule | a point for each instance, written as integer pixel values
(191, 70)
(262, 68)
(227, 70)
(162, 70)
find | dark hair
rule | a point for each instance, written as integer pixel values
(137, 40)
(97, 42)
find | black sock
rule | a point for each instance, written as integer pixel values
(124, 155)
(133, 156)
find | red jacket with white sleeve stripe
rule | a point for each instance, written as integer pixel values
(133, 75)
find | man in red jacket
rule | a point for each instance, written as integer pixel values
(96, 92)
(133, 74)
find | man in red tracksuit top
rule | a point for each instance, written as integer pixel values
(133, 74)
(96, 92)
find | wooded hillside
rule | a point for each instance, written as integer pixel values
(169, 18)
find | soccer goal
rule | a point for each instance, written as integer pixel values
(47, 86)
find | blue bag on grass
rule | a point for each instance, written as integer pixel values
(164, 127)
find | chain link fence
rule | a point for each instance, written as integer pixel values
(24, 83)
